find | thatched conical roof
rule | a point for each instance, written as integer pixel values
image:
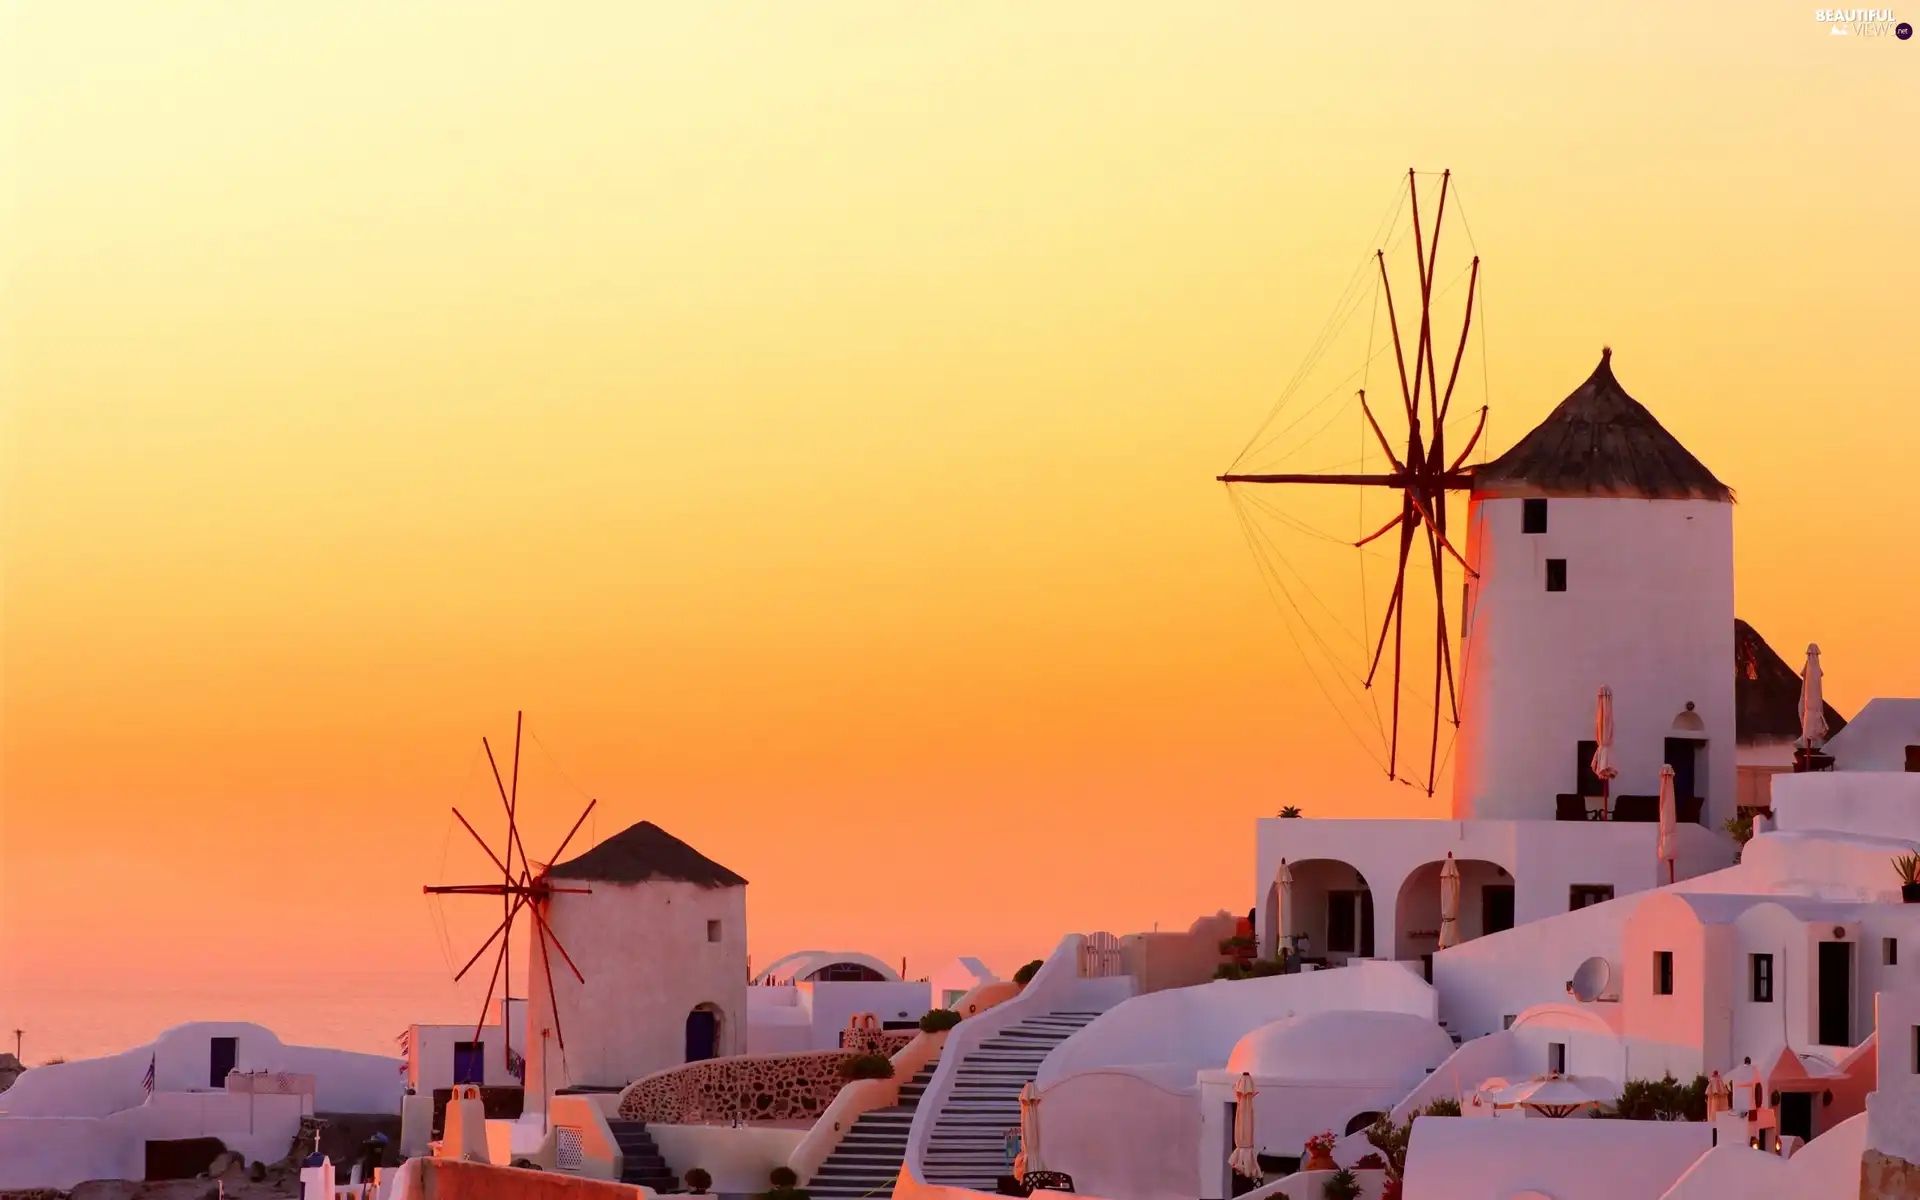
(1766, 693)
(1600, 442)
(642, 853)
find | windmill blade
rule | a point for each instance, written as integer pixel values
(492, 982)
(553, 999)
(546, 932)
(483, 845)
(498, 930)
(505, 803)
(1473, 441)
(576, 829)
(1459, 353)
(513, 797)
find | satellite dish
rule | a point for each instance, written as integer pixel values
(1590, 979)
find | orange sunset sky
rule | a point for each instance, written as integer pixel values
(808, 413)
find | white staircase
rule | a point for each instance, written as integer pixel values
(967, 1144)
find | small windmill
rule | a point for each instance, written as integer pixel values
(1423, 471)
(522, 885)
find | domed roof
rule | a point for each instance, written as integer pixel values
(1342, 1046)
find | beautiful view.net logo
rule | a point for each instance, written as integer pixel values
(1862, 22)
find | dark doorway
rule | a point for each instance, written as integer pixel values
(703, 1034)
(183, 1158)
(1585, 782)
(1836, 993)
(1496, 908)
(469, 1063)
(225, 1057)
(1350, 923)
(1682, 755)
(1796, 1115)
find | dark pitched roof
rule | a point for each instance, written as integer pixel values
(1766, 692)
(646, 852)
(1600, 442)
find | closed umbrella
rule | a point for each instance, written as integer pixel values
(1029, 1131)
(1668, 846)
(1813, 706)
(1244, 1161)
(1603, 767)
(1284, 880)
(1449, 902)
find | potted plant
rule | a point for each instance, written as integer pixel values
(786, 1186)
(1291, 812)
(1025, 974)
(698, 1181)
(1320, 1153)
(867, 1066)
(1909, 867)
(1343, 1185)
(938, 1020)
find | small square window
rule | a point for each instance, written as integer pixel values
(1556, 574)
(1506, 1022)
(1761, 976)
(1890, 952)
(713, 931)
(1533, 516)
(1556, 1058)
(1581, 895)
(1913, 759)
(1663, 972)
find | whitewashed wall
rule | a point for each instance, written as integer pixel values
(644, 951)
(1463, 1158)
(1648, 612)
(344, 1081)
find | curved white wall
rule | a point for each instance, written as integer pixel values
(344, 1081)
(644, 953)
(1648, 612)
(1171, 1035)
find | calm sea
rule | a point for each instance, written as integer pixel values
(347, 1010)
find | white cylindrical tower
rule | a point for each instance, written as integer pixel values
(1603, 554)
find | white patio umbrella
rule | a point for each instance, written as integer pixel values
(1668, 845)
(1813, 706)
(1603, 766)
(1449, 902)
(1557, 1095)
(1244, 1162)
(1029, 1131)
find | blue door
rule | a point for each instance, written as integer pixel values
(703, 1034)
(469, 1063)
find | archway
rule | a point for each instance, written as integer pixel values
(1362, 1122)
(1332, 919)
(1486, 901)
(703, 1033)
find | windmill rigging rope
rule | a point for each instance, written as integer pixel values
(1329, 330)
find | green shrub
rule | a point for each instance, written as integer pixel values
(785, 1186)
(1442, 1108)
(1229, 970)
(1291, 811)
(783, 1177)
(1341, 1185)
(938, 1020)
(867, 1066)
(698, 1181)
(1739, 828)
(1664, 1099)
(1264, 967)
(1024, 975)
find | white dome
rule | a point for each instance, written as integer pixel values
(1343, 1046)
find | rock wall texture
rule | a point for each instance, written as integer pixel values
(1884, 1177)
(752, 1087)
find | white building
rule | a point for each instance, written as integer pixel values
(66, 1123)
(955, 977)
(660, 943)
(1603, 557)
